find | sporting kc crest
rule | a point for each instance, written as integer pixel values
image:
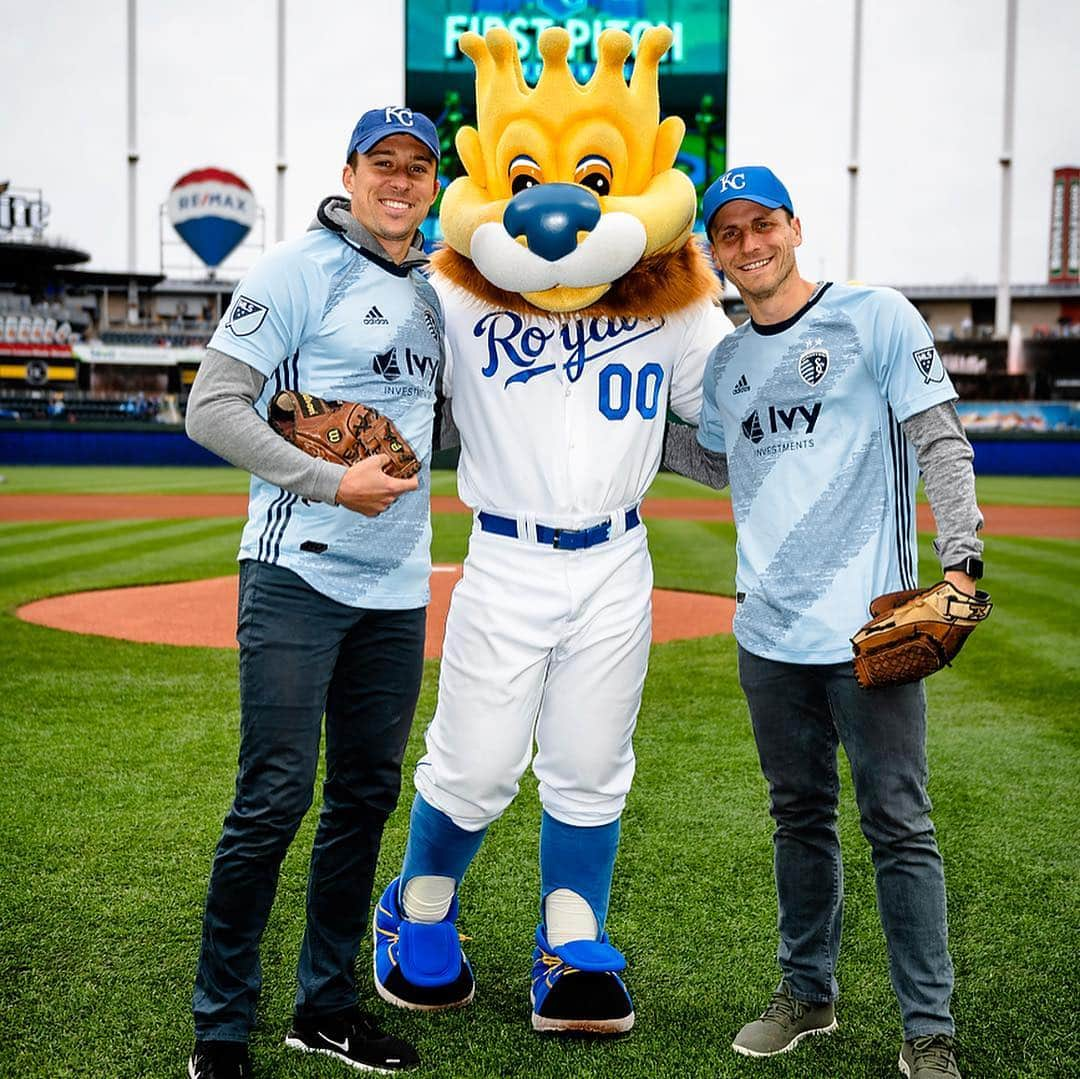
(812, 366)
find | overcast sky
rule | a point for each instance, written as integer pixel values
(930, 137)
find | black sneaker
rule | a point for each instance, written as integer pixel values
(219, 1060)
(353, 1037)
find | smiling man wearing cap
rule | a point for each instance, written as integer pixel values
(390, 174)
(334, 569)
(824, 407)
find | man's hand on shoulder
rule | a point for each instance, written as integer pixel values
(366, 488)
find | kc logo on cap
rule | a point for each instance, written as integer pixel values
(378, 124)
(732, 180)
(755, 183)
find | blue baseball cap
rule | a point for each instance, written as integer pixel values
(378, 124)
(755, 183)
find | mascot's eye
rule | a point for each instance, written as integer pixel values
(524, 173)
(594, 172)
(522, 181)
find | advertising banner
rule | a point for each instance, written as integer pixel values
(1064, 263)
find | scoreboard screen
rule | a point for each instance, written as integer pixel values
(439, 79)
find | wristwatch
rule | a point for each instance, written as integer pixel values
(972, 566)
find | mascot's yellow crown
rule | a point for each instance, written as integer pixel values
(558, 100)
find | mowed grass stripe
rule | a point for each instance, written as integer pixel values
(27, 535)
(46, 479)
(693, 555)
(1028, 490)
(89, 479)
(1043, 552)
(133, 564)
(1037, 655)
(122, 548)
(32, 549)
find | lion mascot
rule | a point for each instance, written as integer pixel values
(579, 309)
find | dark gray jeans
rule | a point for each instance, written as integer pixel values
(301, 654)
(799, 715)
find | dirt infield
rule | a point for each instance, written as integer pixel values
(203, 613)
(1056, 522)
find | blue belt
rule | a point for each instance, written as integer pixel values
(564, 539)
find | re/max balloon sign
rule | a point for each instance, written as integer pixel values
(212, 210)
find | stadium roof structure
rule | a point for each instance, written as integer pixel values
(1064, 293)
(203, 287)
(107, 278)
(17, 256)
(1043, 291)
(33, 265)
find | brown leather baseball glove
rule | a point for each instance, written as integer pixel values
(914, 633)
(341, 431)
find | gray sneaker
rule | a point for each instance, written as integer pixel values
(931, 1057)
(783, 1024)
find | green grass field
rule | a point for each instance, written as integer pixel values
(1013, 490)
(119, 763)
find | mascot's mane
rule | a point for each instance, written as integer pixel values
(658, 285)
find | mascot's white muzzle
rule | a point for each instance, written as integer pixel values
(550, 217)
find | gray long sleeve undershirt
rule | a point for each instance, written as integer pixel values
(221, 416)
(685, 455)
(945, 456)
(941, 449)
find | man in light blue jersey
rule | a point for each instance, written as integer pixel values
(824, 407)
(334, 570)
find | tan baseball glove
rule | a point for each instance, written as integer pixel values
(341, 431)
(914, 633)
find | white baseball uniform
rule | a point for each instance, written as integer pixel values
(562, 426)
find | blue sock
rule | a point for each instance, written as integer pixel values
(437, 847)
(580, 859)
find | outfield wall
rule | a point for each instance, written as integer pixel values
(24, 443)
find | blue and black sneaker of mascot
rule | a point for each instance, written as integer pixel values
(576, 988)
(418, 965)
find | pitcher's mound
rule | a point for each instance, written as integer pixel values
(203, 613)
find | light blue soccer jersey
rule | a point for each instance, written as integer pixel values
(322, 316)
(823, 480)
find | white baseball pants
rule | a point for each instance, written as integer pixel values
(546, 644)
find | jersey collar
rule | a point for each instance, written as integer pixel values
(779, 327)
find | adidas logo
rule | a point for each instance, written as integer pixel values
(742, 386)
(375, 318)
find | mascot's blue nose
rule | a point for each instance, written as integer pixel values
(550, 216)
